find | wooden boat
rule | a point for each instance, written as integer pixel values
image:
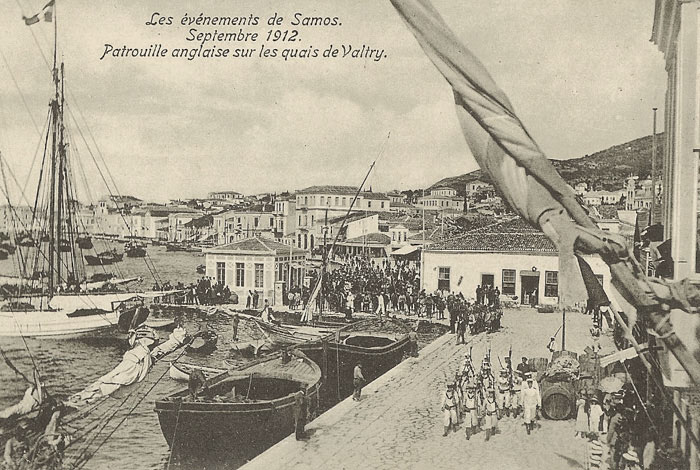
(181, 371)
(104, 259)
(289, 334)
(8, 247)
(84, 243)
(338, 355)
(135, 250)
(244, 412)
(204, 343)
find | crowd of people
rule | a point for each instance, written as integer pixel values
(204, 292)
(477, 399)
(624, 423)
(365, 285)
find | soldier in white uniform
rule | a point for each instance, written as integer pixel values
(491, 414)
(471, 412)
(449, 410)
(531, 400)
(515, 396)
(503, 398)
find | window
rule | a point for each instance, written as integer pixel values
(272, 221)
(258, 275)
(221, 273)
(508, 282)
(323, 200)
(369, 204)
(444, 279)
(255, 221)
(381, 204)
(240, 275)
(299, 220)
(337, 200)
(551, 284)
(344, 201)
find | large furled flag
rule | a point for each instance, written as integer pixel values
(528, 181)
(502, 145)
(46, 11)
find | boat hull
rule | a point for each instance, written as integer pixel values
(242, 428)
(337, 362)
(56, 324)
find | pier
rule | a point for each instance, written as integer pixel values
(399, 421)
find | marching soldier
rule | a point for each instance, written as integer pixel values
(515, 397)
(471, 412)
(504, 392)
(459, 396)
(449, 410)
(491, 410)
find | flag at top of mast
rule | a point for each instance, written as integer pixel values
(46, 11)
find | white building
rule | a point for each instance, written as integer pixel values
(230, 196)
(676, 32)
(521, 261)
(442, 198)
(256, 264)
(476, 186)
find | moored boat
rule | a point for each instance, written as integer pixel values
(338, 354)
(244, 411)
(205, 343)
(135, 249)
(290, 334)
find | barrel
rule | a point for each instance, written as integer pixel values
(558, 400)
(557, 354)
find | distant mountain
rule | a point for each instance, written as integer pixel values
(606, 169)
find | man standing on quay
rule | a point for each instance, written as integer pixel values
(530, 397)
(300, 413)
(358, 380)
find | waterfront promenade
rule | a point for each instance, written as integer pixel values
(398, 423)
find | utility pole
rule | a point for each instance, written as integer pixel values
(653, 170)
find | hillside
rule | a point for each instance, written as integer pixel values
(605, 169)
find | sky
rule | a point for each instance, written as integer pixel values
(582, 76)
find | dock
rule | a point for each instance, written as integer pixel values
(398, 423)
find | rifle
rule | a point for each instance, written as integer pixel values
(510, 367)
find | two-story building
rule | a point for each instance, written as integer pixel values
(442, 198)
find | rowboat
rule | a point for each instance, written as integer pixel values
(242, 412)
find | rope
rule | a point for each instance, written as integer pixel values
(82, 464)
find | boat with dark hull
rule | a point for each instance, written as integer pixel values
(244, 412)
(135, 250)
(338, 355)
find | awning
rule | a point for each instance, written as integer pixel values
(405, 250)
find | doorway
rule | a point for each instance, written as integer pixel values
(487, 280)
(529, 287)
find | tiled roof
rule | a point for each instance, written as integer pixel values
(376, 238)
(374, 196)
(262, 245)
(513, 236)
(329, 189)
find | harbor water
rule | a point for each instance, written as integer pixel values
(67, 366)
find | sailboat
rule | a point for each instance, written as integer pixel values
(55, 303)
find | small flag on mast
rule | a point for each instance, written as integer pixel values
(47, 12)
